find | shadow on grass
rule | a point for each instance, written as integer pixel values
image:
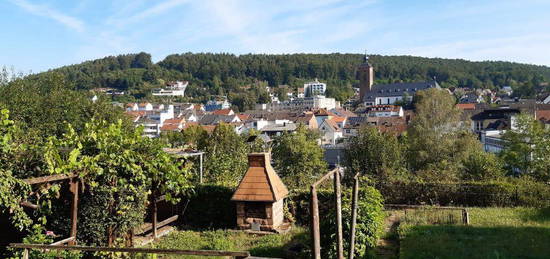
(296, 247)
(445, 241)
(540, 216)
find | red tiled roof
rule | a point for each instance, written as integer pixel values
(223, 112)
(170, 127)
(543, 115)
(338, 119)
(243, 116)
(466, 106)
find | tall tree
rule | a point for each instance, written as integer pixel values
(375, 154)
(297, 158)
(527, 148)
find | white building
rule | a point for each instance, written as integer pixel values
(492, 141)
(330, 132)
(308, 103)
(385, 111)
(315, 88)
(172, 89)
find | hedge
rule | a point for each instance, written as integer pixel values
(469, 194)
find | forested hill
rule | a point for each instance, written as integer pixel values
(227, 74)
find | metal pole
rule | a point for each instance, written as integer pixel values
(200, 169)
(338, 196)
(315, 235)
(353, 215)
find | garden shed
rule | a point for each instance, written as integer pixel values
(260, 195)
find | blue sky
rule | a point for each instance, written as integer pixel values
(42, 34)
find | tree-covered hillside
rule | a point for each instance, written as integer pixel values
(240, 77)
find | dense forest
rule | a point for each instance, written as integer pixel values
(241, 77)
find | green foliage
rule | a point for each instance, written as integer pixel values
(12, 189)
(480, 165)
(226, 156)
(373, 153)
(297, 158)
(527, 148)
(276, 246)
(370, 221)
(226, 74)
(38, 235)
(120, 168)
(43, 107)
(502, 193)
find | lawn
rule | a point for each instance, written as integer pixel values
(492, 233)
(279, 246)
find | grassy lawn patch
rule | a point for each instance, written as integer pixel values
(267, 246)
(492, 233)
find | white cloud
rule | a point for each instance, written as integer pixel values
(528, 48)
(45, 11)
(148, 12)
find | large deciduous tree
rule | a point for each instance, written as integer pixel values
(527, 148)
(297, 157)
(375, 154)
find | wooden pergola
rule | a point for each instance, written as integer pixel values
(74, 182)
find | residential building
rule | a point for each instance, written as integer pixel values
(176, 88)
(385, 111)
(217, 105)
(307, 103)
(492, 140)
(314, 88)
(273, 130)
(331, 132)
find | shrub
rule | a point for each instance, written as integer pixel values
(370, 219)
(514, 192)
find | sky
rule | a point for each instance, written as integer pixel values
(38, 35)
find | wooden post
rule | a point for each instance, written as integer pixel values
(74, 209)
(315, 235)
(200, 168)
(338, 198)
(355, 196)
(465, 217)
(154, 213)
(25, 254)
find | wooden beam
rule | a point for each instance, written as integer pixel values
(338, 198)
(64, 241)
(355, 197)
(163, 223)
(315, 232)
(242, 254)
(49, 178)
(326, 176)
(74, 209)
(405, 206)
(154, 214)
(28, 205)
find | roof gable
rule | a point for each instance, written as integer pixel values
(260, 182)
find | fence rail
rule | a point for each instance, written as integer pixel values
(131, 250)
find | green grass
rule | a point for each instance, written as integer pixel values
(492, 233)
(267, 245)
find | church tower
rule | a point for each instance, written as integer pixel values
(365, 73)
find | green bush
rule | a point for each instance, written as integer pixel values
(513, 192)
(370, 221)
